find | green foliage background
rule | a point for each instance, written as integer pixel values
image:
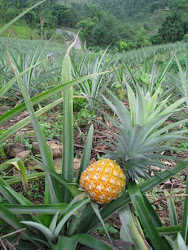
(123, 24)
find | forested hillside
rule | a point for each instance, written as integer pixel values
(123, 24)
(122, 8)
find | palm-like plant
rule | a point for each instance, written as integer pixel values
(141, 131)
(142, 135)
(24, 61)
(92, 88)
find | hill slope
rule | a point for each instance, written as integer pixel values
(122, 8)
(134, 13)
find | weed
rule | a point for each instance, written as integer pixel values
(26, 139)
(84, 116)
(36, 190)
(51, 127)
(110, 229)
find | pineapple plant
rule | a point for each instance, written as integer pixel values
(141, 135)
(103, 180)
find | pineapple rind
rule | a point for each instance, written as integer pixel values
(103, 180)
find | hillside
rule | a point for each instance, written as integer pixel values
(135, 14)
(79, 2)
(122, 9)
(125, 25)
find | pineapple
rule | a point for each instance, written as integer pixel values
(103, 180)
(141, 134)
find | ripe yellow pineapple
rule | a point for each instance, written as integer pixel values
(103, 180)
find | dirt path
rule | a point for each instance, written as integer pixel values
(78, 44)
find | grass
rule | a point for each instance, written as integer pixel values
(21, 32)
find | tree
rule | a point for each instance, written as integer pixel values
(87, 27)
(11, 13)
(185, 38)
(100, 28)
(1, 11)
(125, 32)
(172, 29)
(155, 39)
(44, 12)
(65, 15)
(141, 38)
(105, 32)
(30, 19)
(73, 16)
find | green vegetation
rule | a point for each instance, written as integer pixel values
(127, 106)
(123, 24)
(21, 32)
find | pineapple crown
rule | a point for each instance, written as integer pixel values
(141, 135)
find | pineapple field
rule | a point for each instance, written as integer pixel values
(93, 146)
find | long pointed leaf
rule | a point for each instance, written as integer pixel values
(12, 220)
(55, 194)
(141, 108)
(91, 241)
(44, 209)
(87, 153)
(160, 78)
(68, 140)
(155, 218)
(96, 210)
(17, 179)
(183, 80)
(144, 217)
(71, 186)
(54, 222)
(129, 227)
(19, 165)
(26, 121)
(65, 243)
(44, 96)
(171, 209)
(48, 234)
(119, 109)
(68, 214)
(170, 230)
(5, 88)
(3, 190)
(184, 231)
(153, 214)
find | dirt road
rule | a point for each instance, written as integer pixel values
(78, 44)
